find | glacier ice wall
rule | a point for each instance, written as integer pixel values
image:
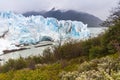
(17, 29)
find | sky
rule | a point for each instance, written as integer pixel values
(99, 8)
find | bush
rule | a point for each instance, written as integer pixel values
(95, 52)
(68, 51)
(48, 56)
(88, 44)
(106, 68)
(111, 39)
(14, 65)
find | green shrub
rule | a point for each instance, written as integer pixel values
(48, 56)
(106, 68)
(20, 64)
(88, 44)
(95, 52)
(111, 39)
(68, 51)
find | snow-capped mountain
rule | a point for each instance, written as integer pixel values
(15, 29)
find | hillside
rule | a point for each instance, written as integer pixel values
(106, 68)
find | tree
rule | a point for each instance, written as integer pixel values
(111, 38)
(114, 18)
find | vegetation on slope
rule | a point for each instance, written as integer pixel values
(106, 68)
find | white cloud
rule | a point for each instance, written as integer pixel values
(99, 8)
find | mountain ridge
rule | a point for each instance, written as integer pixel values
(73, 15)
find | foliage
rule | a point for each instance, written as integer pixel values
(106, 68)
(13, 65)
(41, 72)
(111, 39)
(67, 51)
(95, 52)
(114, 18)
(88, 44)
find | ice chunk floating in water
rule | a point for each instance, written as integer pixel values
(17, 29)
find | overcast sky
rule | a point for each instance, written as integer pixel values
(99, 8)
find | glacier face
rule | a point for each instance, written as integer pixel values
(15, 29)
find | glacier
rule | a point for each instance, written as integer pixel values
(16, 29)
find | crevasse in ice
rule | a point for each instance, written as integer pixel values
(17, 29)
